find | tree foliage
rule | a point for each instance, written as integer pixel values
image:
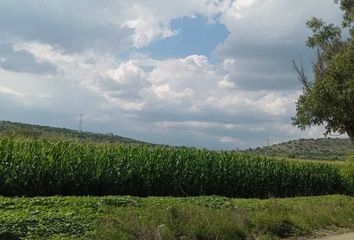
(329, 99)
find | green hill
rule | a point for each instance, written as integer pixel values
(321, 149)
(22, 130)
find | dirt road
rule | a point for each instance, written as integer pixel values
(346, 236)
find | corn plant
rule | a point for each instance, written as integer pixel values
(42, 167)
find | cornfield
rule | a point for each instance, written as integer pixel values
(43, 168)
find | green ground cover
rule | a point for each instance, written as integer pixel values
(124, 217)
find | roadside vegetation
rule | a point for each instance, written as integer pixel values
(114, 217)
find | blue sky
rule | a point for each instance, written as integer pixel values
(195, 35)
(202, 73)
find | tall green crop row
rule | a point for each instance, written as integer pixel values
(32, 168)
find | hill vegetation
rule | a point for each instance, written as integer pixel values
(29, 131)
(314, 149)
(317, 149)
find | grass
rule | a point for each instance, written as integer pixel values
(212, 217)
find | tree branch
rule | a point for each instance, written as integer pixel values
(300, 70)
(319, 66)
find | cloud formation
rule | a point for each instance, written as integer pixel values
(57, 62)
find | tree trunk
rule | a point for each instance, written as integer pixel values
(350, 132)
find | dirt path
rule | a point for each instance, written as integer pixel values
(346, 236)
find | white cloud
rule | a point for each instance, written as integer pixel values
(126, 81)
(227, 139)
(191, 124)
(43, 52)
(11, 92)
(226, 84)
(262, 21)
(44, 95)
(147, 27)
(11, 96)
(190, 85)
(150, 20)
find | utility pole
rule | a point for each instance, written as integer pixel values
(80, 123)
(268, 145)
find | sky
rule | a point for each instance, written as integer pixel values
(206, 73)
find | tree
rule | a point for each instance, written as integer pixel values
(329, 99)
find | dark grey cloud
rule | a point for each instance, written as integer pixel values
(265, 38)
(53, 22)
(266, 66)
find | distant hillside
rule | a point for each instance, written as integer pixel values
(22, 130)
(322, 148)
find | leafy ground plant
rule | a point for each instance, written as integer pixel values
(124, 217)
